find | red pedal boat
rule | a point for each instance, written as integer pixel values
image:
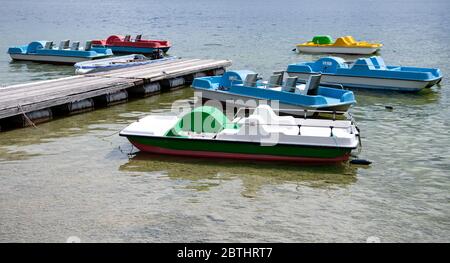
(124, 44)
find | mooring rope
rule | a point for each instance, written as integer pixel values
(26, 117)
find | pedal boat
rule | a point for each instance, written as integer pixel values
(367, 73)
(43, 51)
(242, 88)
(117, 63)
(342, 45)
(206, 132)
(125, 45)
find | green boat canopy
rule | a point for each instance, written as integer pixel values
(321, 40)
(204, 119)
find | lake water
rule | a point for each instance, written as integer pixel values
(74, 176)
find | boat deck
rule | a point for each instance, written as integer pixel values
(19, 102)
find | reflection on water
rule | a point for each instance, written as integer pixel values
(72, 166)
(206, 173)
(108, 121)
(39, 71)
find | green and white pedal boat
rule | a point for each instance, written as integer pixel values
(207, 132)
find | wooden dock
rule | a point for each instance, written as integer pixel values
(27, 104)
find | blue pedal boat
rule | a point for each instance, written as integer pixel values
(242, 88)
(367, 73)
(43, 51)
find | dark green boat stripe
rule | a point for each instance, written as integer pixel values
(240, 147)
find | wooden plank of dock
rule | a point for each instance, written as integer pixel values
(23, 98)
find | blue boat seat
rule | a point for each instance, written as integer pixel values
(290, 84)
(250, 80)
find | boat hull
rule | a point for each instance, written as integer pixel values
(135, 50)
(245, 101)
(370, 82)
(49, 59)
(112, 63)
(239, 150)
(339, 50)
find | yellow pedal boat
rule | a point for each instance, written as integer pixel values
(342, 45)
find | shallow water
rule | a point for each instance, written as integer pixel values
(74, 176)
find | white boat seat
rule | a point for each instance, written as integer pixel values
(315, 131)
(268, 116)
(288, 130)
(256, 125)
(342, 133)
(250, 80)
(274, 123)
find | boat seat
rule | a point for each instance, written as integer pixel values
(258, 125)
(378, 62)
(269, 116)
(342, 132)
(49, 45)
(290, 84)
(75, 45)
(127, 38)
(64, 44)
(279, 72)
(312, 85)
(315, 131)
(250, 80)
(88, 46)
(275, 80)
(138, 38)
